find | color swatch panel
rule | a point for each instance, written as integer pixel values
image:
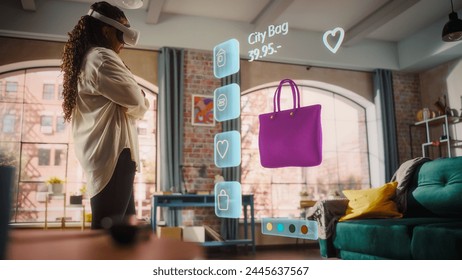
(295, 228)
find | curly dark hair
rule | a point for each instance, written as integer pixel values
(85, 35)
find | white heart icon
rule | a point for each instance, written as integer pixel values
(332, 33)
(222, 148)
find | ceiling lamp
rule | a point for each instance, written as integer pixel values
(452, 30)
(129, 4)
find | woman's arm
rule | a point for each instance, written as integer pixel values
(117, 83)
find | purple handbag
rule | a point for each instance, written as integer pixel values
(290, 137)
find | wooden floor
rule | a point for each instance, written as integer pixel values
(300, 251)
(289, 252)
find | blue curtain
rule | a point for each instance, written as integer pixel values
(170, 124)
(7, 176)
(383, 88)
(229, 227)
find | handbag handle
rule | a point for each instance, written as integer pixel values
(295, 95)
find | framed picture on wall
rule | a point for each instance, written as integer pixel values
(202, 110)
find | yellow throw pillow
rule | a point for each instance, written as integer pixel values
(372, 203)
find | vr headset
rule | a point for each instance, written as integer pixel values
(130, 36)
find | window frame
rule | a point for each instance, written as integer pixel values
(7, 83)
(373, 123)
(48, 92)
(32, 184)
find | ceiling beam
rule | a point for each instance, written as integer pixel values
(381, 16)
(154, 11)
(271, 12)
(29, 5)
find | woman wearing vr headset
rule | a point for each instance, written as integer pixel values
(102, 101)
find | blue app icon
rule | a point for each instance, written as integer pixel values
(228, 199)
(296, 228)
(227, 100)
(227, 146)
(226, 58)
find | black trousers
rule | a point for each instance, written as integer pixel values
(116, 200)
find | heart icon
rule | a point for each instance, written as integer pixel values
(333, 33)
(222, 148)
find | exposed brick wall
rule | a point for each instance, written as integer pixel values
(199, 167)
(406, 87)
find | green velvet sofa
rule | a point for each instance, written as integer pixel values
(431, 227)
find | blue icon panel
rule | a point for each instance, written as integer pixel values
(296, 228)
(227, 149)
(226, 58)
(227, 100)
(228, 199)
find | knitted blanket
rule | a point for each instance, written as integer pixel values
(327, 213)
(404, 176)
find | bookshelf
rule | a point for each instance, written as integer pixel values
(444, 139)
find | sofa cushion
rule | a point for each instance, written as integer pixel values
(371, 203)
(384, 238)
(347, 255)
(439, 190)
(437, 241)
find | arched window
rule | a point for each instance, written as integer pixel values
(346, 119)
(34, 132)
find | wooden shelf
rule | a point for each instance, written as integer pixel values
(439, 120)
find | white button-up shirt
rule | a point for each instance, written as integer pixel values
(108, 104)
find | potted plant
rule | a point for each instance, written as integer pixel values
(77, 198)
(7, 168)
(83, 190)
(56, 185)
(304, 195)
(7, 171)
